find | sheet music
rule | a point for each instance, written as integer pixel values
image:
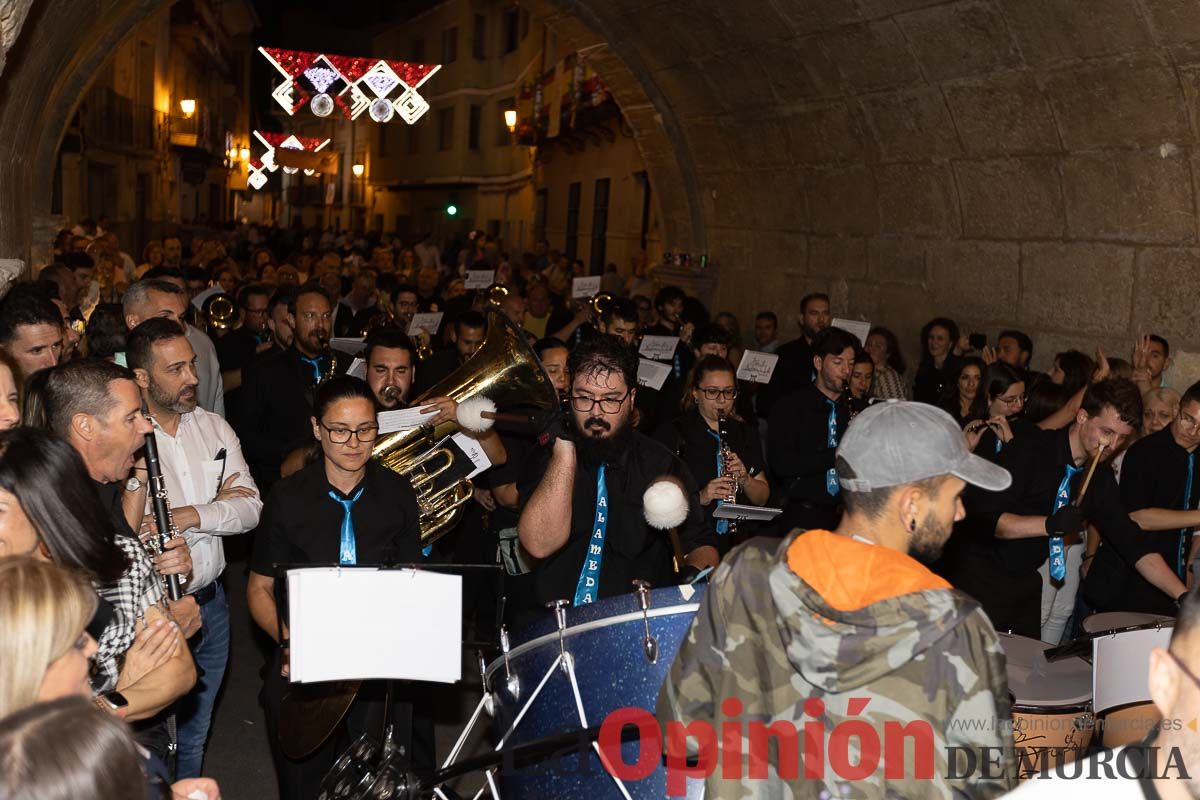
(430, 321)
(757, 366)
(358, 368)
(350, 345)
(403, 419)
(585, 287)
(336, 631)
(479, 278)
(857, 327)
(474, 451)
(652, 374)
(658, 348)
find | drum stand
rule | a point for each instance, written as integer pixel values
(564, 663)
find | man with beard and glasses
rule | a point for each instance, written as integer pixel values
(277, 389)
(212, 496)
(585, 520)
(848, 626)
(1167, 765)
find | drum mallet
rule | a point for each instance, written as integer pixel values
(1087, 479)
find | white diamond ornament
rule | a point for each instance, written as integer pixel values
(411, 106)
(257, 180)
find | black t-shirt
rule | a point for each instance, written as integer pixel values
(690, 438)
(793, 371)
(275, 409)
(799, 452)
(1037, 462)
(302, 524)
(632, 549)
(236, 349)
(1154, 476)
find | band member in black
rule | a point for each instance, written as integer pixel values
(344, 508)
(722, 452)
(277, 390)
(1160, 491)
(391, 367)
(599, 464)
(1036, 521)
(469, 331)
(805, 428)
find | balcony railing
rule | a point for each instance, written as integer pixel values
(113, 120)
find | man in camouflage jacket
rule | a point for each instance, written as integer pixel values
(889, 682)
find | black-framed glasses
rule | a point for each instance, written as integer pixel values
(365, 434)
(1183, 668)
(713, 393)
(609, 405)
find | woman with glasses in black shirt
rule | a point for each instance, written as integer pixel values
(695, 437)
(344, 508)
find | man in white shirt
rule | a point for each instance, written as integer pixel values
(212, 495)
(167, 297)
(1167, 766)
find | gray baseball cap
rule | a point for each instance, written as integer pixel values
(894, 443)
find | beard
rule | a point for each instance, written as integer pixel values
(599, 441)
(928, 540)
(182, 403)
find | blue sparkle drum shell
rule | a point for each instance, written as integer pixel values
(605, 641)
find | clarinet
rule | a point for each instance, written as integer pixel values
(726, 460)
(163, 520)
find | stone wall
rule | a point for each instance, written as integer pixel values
(1017, 162)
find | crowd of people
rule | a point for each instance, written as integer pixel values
(258, 360)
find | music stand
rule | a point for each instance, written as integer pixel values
(742, 513)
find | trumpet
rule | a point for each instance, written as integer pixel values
(164, 522)
(727, 460)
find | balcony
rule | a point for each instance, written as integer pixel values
(114, 121)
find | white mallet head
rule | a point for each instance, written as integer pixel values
(664, 504)
(470, 414)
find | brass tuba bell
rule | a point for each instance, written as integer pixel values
(504, 370)
(496, 294)
(220, 312)
(600, 302)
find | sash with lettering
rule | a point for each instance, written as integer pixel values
(588, 588)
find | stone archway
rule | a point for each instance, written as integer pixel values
(1011, 162)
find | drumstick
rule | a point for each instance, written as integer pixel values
(1087, 479)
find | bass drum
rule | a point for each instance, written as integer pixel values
(1121, 655)
(607, 643)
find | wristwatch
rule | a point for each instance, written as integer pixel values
(112, 702)
(133, 484)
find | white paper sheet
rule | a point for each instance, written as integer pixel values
(856, 326)
(349, 345)
(658, 348)
(585, 287)
(198, 300)
(430, 321)
(652, 374)
(356, 623)
(402, 419)
(358, 368)
(757, 366)
(479, 278)
(474, 451)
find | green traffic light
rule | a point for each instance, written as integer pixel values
(452, 209)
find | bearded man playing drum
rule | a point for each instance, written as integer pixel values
(585, 520)
(839, 631)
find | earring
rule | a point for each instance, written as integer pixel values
(912, 525)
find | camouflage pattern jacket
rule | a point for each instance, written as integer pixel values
(897, 678)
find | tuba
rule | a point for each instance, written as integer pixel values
(220, 313)
(504, 370)
(600, 302)
(495, 295)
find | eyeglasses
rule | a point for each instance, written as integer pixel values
(1183, 668)
(366, 434)
(1018, 400)
(609, 405)
(712, 392)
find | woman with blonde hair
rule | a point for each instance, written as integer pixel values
(44, 613)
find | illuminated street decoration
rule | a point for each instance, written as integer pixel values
(353, 84)
(259, 167)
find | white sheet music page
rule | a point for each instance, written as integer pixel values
(358, 623)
